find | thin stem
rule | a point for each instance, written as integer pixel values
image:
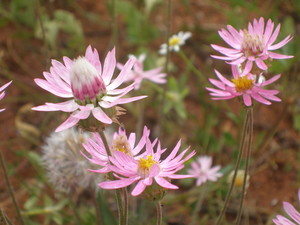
(96, 201)
(241, 147)
(2, 162)
(159, 213)
(246, 166)
(114, 22)
(125, 194)
(3, 218)
(118, 191)
(199, 204)
(169, 19)
(192, 66)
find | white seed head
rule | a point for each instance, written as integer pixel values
(66, 168)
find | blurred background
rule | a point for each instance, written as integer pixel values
(33, 32)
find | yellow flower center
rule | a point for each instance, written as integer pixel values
(242, 83)
(174, 41)
(121, 144)
(147, 163)
(252, 45)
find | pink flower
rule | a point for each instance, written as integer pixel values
(120, 143)
(91, 88)
(203, 171)
(137, 75)
(291, 211)
(253, 45)
(248, 86)
(2, 92)
(146, 168)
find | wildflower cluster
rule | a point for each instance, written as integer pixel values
(249, 56)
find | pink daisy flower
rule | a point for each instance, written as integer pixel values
(253, 45)
(248, 86)
(203, 171)
(291, 211)
(2, 92)
(146, 168)
(120, 143)
(137, 74)
(91, 88)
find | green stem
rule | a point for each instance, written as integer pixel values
(246, 166)
(2, 162)
(3, 218)
(199, 204)
(122, 217)
(192, 67)
(159, 213)
(169, 19)
(125, 194)
(241, 147)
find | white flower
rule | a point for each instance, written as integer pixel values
(175, 41)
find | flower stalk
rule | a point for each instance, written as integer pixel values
(159, 213)
(238, 162)
(11, 192)
(249, 147)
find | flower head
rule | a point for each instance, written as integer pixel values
(146, 168)
(2, 92)
(291, 211)
(248, 86)
(91, 88)
(137, 75)
(253, 45)
(203, 171)
(175, 41)
(67, 169)
(120, 143)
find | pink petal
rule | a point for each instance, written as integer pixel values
(109, 66)
(116, 184)
(164, 183)
(281, 43)
(260, 63)
(138, 189)
(101, 116)
(5, 86)
(279, 56)
(247, 99)
(291, 211)
(70, 122)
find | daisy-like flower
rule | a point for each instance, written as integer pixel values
(120, 143)
(248, 86)
(202, 170)
(91, 88)
(146, 168)
(291, 211)
(175, 42)
(253, 45)
(2, 92)
(137, 75)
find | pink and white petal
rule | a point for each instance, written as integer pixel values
(93, 58)
(139, 188)
(235, 34)
(2, 95)
(260, 99)
(271, 80)
(120, 101)
(247, 68)
(280, 220)
(68, 62)
(116, 184)
(164, 183)
(281, 43)
(5, 86)
(247, 99)
(217, 83)
(274, 55)
(179, 176)
(227, 58)
(291, 211)
(148, 181)
(68, 106)
(271, 97)
(109, 66)
(122, 75)
(82, 115)
(154, 171)
(70, 122)
(260, 63)
(229, 39)
(100, 115)
(274, 36)
(223, 79)
(225, 51)
(268, 30)
(122, 91)
(53, 89)
(238, 60)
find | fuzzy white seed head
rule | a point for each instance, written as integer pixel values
(66, 167)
